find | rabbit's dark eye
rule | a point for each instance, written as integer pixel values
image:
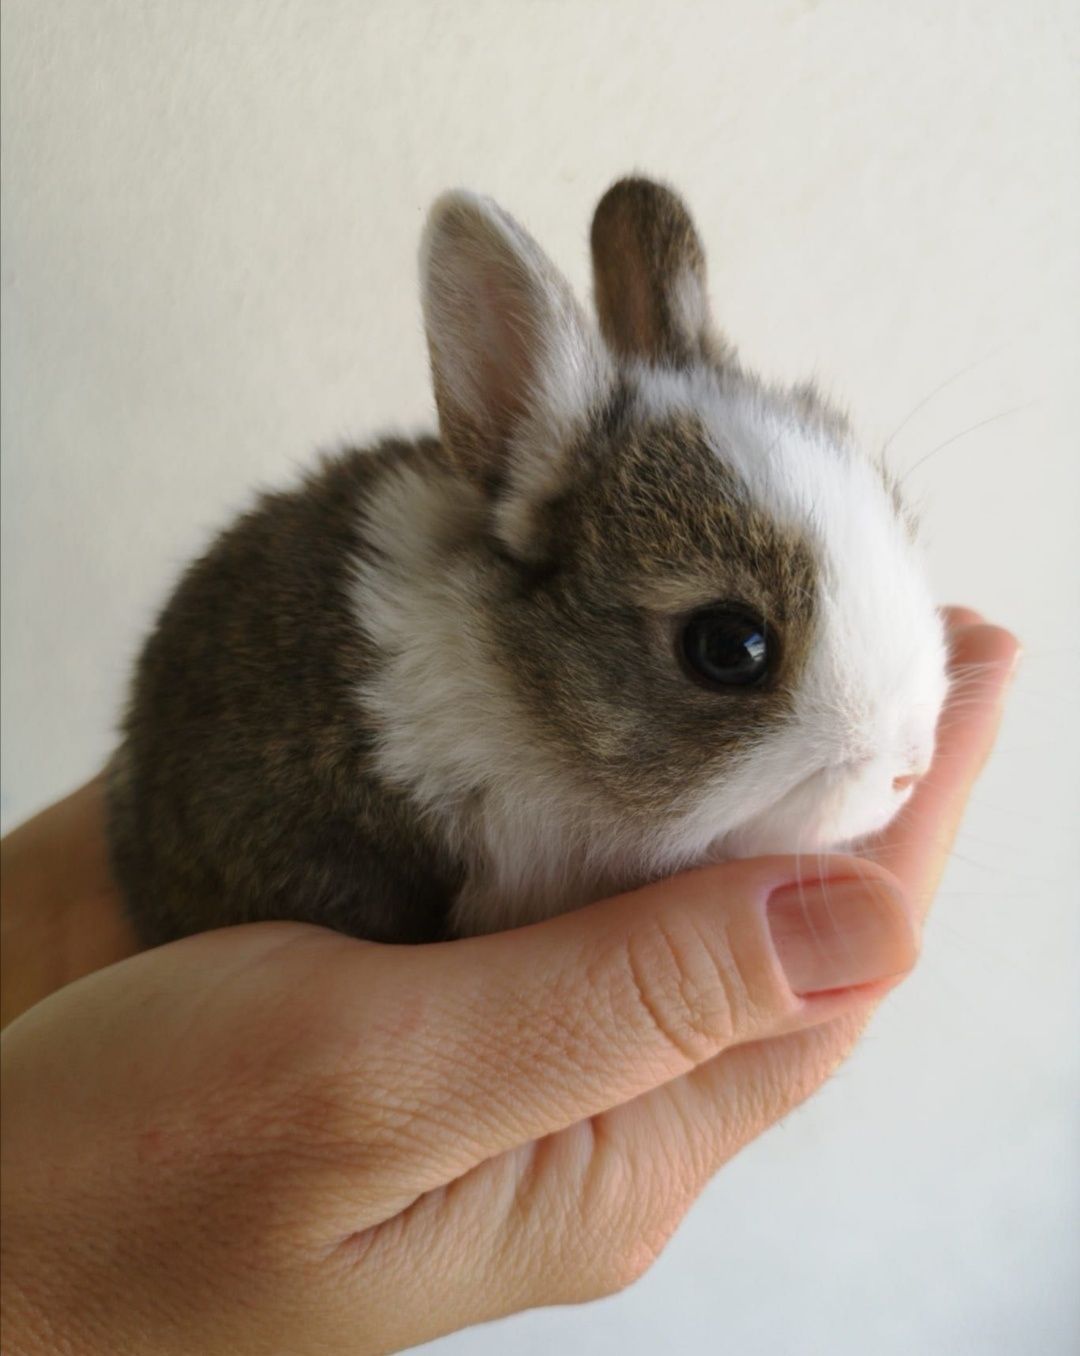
(726, 647)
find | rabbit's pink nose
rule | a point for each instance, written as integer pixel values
(902, 783)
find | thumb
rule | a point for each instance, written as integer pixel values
(529, 1031)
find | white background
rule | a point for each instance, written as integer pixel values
(210, 219)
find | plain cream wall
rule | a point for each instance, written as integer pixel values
(210, 219)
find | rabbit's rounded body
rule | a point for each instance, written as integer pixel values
(634, 610)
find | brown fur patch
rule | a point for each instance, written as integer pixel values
(652, 527)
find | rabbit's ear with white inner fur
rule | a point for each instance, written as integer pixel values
(516, 365)
(649, 277)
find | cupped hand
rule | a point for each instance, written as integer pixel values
(275, 1138)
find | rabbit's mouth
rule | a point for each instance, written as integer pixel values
(827, 809)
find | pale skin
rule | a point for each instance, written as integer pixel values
(275, 1138)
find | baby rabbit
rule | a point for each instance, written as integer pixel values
(630, 611)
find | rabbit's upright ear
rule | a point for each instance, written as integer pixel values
(649, 277)
(516, 365)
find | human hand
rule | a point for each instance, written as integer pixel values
(276, 1138)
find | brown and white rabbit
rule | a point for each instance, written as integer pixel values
(631, 611)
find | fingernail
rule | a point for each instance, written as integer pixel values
(836, 934)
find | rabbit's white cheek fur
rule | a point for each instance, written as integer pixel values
(869, 699)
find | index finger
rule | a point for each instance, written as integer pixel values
(917, 844)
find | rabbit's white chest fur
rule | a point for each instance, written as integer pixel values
(452, 733)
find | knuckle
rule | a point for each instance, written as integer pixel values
(578, 1232)
(600, 1268)
(627, 1209)
(686, 985)
(602, 1229)
(626, 1265)
(615, 1262)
